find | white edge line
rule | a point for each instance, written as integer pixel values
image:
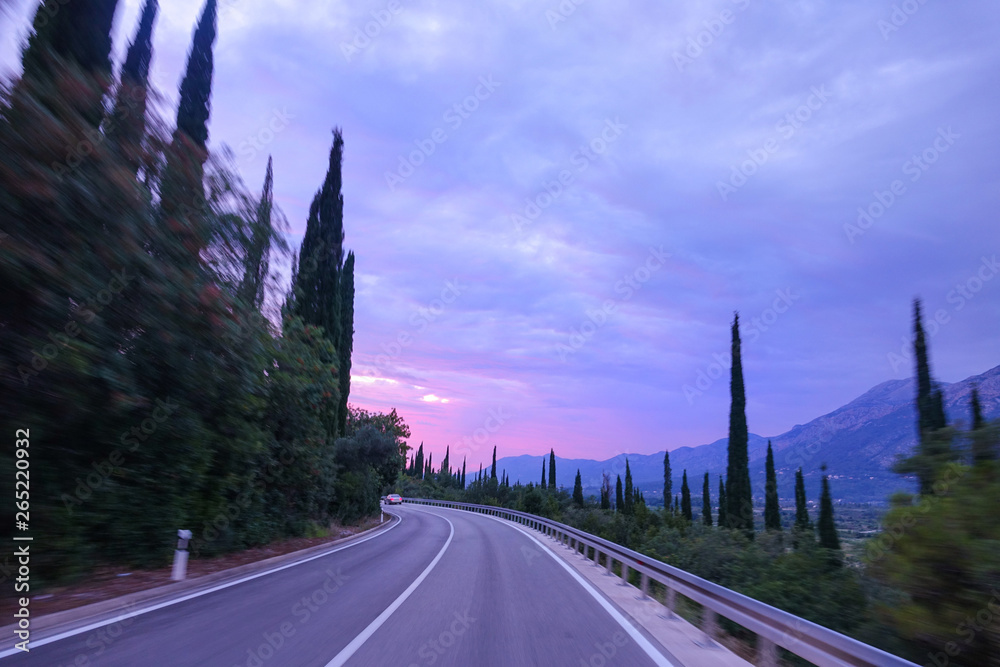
(365, 634)
(145, 610)
(633, 632)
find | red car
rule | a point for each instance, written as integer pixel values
(393, 499)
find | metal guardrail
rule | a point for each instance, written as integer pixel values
(772, 626)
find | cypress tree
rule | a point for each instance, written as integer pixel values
(629, 508)
(982, 446)
(668, 484)
(543, 473)
(578, 489)
(677, 505)
(803, 526)
(772, 511)
(933, 446)
(429, 470)
(446, 467)
(686, 499)
(619, 501)
(552, 469)
(925, 420)
(345, 347)
(605, 491)
(493, 470)
(977, 409)
(257, 261)
(826, 527)
(182, 191)
(127, 125)
(80, 34)
(723, 520)
(419, 464)
(930, 404)
(463, 472)
(318, 296)
(738, 492)
(706, 503)
(196, 87)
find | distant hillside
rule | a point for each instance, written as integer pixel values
(858, 442)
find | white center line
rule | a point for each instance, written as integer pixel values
(358, 641)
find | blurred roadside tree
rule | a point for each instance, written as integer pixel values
(943, 554)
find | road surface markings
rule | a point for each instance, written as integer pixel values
(358, 641)
(632, 631)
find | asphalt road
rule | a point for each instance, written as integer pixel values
(442, 587)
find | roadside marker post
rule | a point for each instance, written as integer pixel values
(181, 556)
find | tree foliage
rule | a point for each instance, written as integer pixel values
(135, 307)
(706, 503)
(772, 511)
(686, 499)
(739, 498)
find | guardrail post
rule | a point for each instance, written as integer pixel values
(624, 574)
(597, 557)
(710, 623)
(644, 584)
(671, 600)
(607, 557)
(767, 652)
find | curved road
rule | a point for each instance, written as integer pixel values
(442, 587)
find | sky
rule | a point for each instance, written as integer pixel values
(557, 207)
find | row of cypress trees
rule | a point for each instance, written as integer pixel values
(445, 476)
(134, 338)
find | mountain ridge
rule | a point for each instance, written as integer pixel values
(858, 441)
